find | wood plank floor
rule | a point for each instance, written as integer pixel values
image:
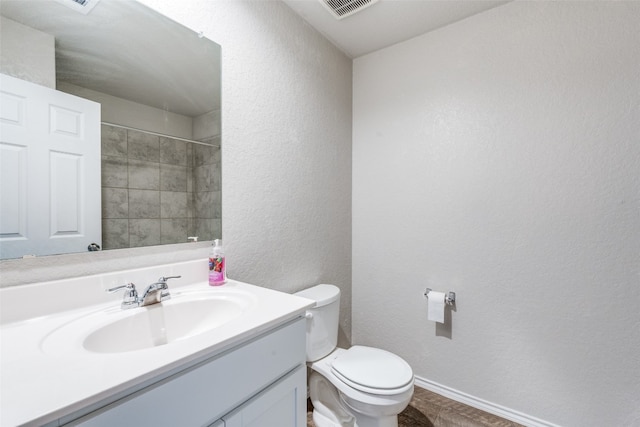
(428, 409)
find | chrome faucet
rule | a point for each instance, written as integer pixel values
(153, 294)
(130, 299)
(156, 292)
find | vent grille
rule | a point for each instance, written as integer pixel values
(82, 6)
(342, 8)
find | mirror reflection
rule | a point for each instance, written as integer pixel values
(158, 85)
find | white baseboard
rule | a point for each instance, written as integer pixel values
(483, 405)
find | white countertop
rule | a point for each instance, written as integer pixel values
(39, 386)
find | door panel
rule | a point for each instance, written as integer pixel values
(50, 194)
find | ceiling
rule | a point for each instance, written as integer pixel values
(127, 50)
(386, 22)
(108, 50)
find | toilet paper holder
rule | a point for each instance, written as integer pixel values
(449, 298)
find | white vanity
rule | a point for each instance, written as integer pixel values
(210, 356)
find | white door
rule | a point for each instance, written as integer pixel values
(50, 194)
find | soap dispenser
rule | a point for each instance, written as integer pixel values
(217, 267)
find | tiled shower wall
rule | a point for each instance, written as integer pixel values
(158, 190)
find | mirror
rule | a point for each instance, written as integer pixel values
(158, 84)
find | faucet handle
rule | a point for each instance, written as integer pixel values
(128, 286)
(164, 279)
(130, 298)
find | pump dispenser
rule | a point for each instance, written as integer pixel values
(217, 267)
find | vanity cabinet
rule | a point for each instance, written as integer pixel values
(260, 383)
(277, 406)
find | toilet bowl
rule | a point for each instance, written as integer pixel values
(356, 387)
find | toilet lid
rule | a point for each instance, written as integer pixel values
(372, 370)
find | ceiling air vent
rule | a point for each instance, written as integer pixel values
(82, 6)
(342, 8)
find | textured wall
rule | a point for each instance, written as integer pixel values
(499, 157)
(286, 150)
(286, 153)
(27, 54)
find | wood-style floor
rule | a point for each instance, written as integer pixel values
(428, 409)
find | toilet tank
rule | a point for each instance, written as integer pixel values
(322, 320)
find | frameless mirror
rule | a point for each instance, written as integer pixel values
(158, 84)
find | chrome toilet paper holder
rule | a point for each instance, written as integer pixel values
(449, 298)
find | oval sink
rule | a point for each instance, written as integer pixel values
(118, 331)
(160, 324)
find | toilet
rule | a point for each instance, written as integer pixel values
(356, 387)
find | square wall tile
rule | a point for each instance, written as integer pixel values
(114, 172)
(203, 154)
(173, 178)
(174, 230)
(115, 233)
(144, 175)
(207, 229)
(144, 232)
(144, 204)
(113, 141)
(173, 204)
(173, 152)
(207, 204)
(143, 146)
(203, 179)
(115, 203)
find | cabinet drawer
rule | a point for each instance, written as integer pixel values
(203, 393)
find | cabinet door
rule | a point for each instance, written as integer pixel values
(281, 405)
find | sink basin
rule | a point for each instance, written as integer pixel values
(160, 324)
(114, 330)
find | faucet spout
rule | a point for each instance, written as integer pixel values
(156, 292)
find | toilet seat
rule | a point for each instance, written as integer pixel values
(372, 370)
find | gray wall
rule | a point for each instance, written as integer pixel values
(499, 157)
(157, 189)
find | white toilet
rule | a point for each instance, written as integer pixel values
(355, 387)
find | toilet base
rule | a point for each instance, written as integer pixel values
(332, 410)
(364, 420)
(320, 420)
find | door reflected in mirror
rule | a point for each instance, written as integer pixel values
(158, 84)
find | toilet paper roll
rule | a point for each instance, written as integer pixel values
(436, 306)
